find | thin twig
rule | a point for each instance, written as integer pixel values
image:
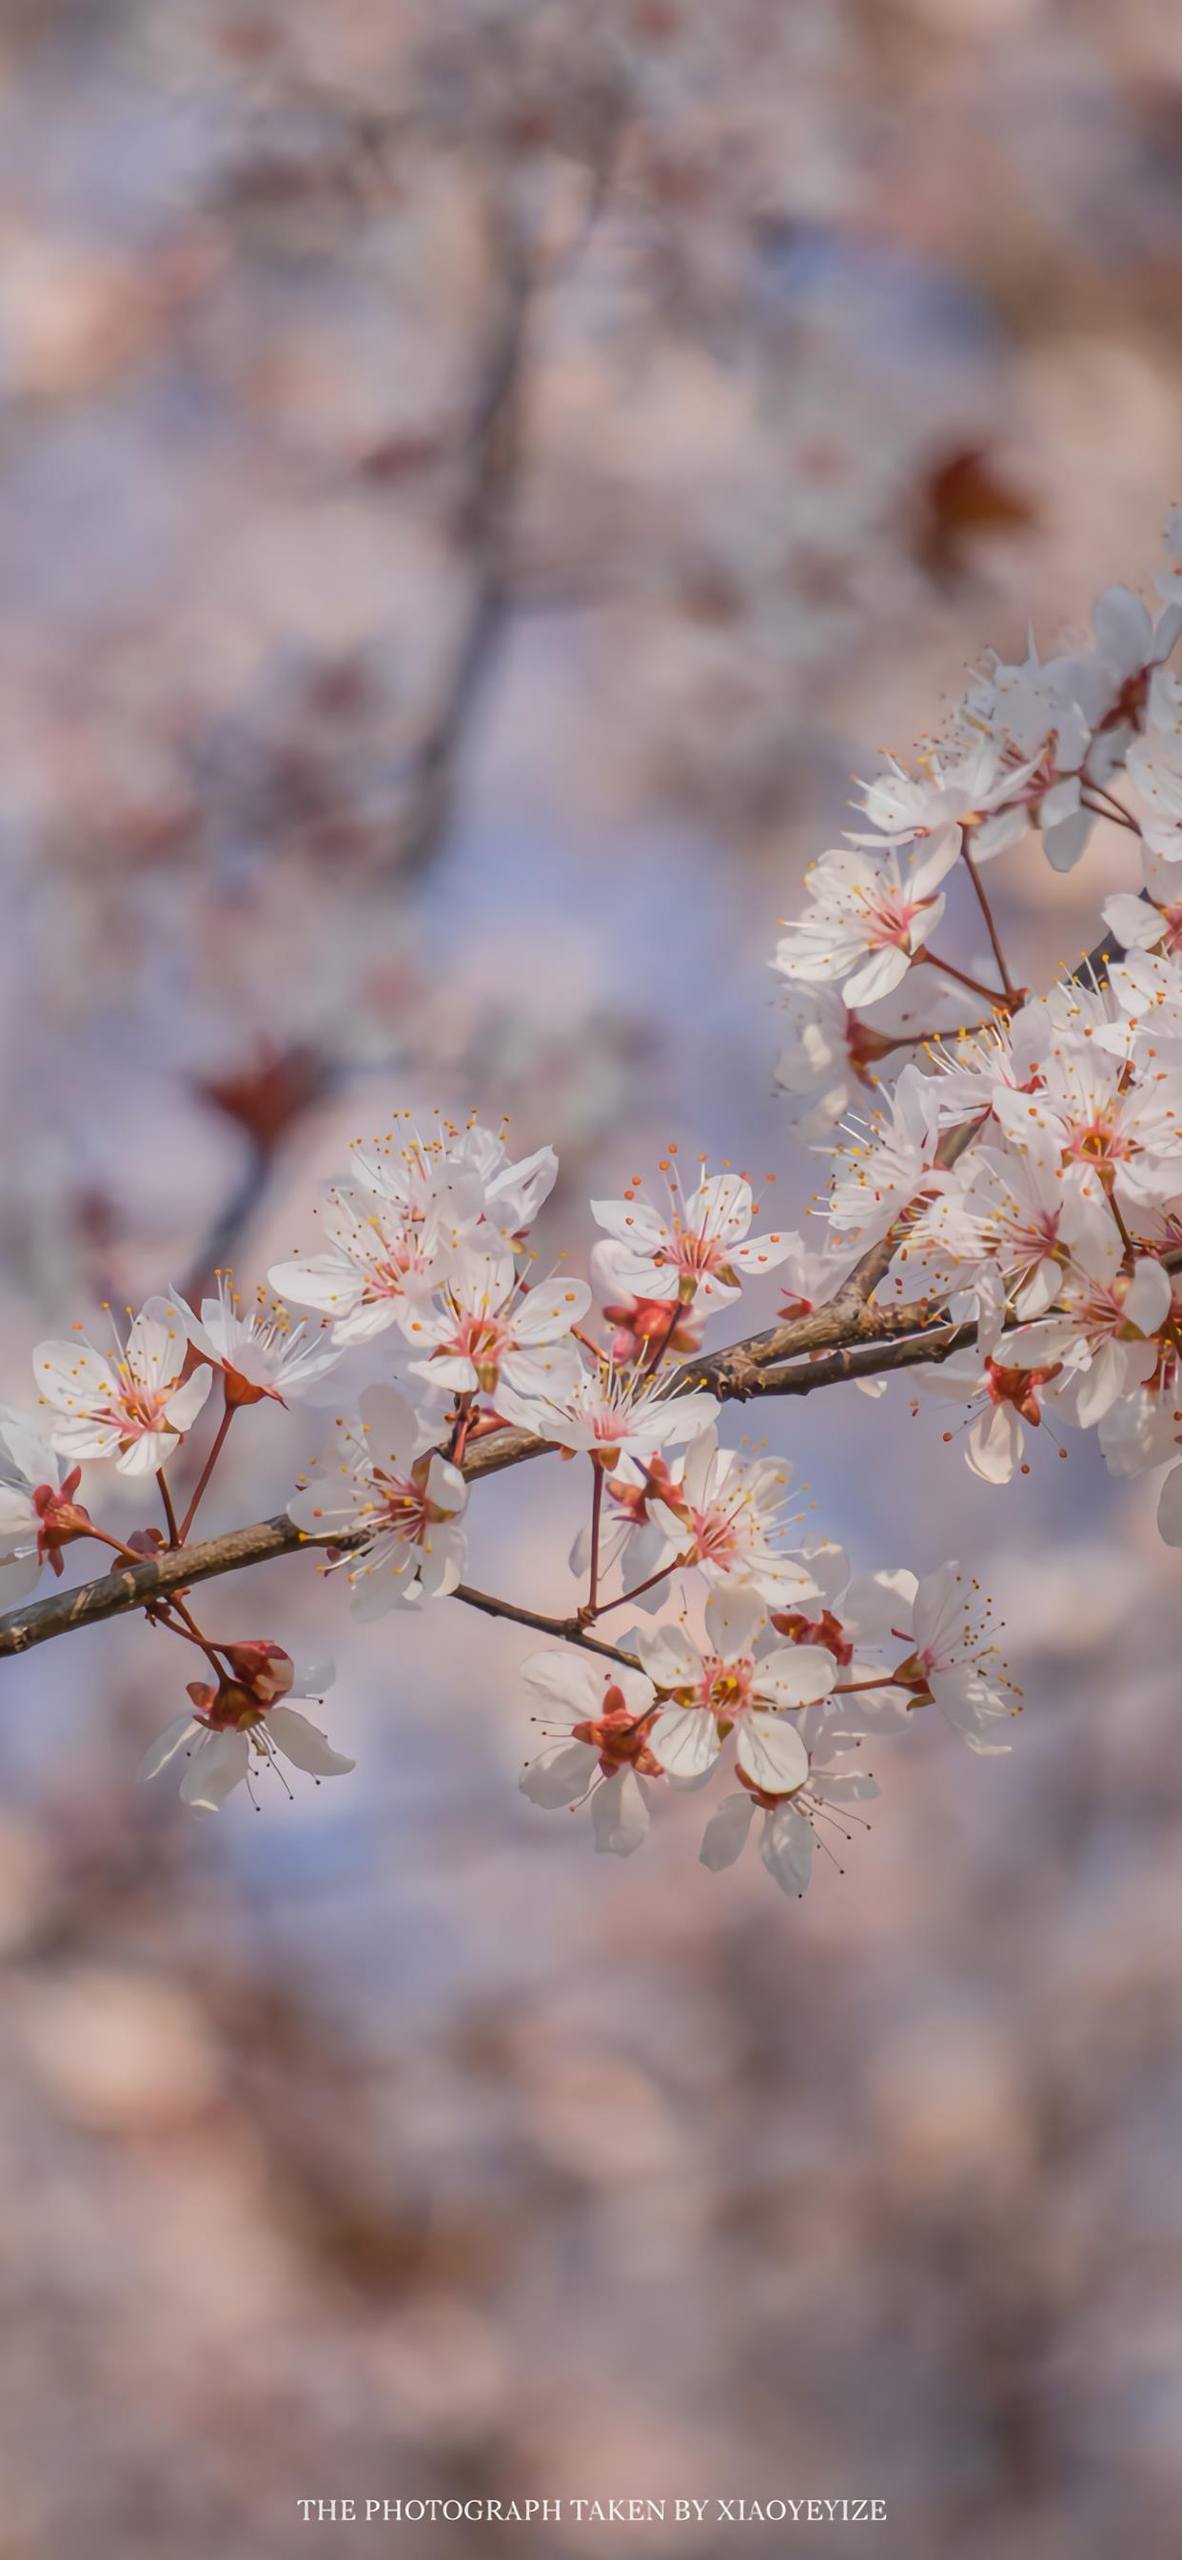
(976, 986)
(174, 1536)
(596, 1520)
(218, 1444)
(990, 925)
(568, 1630)
(489, 464)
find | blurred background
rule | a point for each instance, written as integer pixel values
(478, 476)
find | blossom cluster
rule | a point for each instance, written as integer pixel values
(428, 1329)
(1014, 1184)
(1024, 1172)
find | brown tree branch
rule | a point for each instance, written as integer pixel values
(873, 1342)
(827, 1346)
(175, 1569)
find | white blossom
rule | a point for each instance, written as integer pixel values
(385, 1486)
(956, 1660)
(726, 1516)
(484, 1327)
(609, 1412)
(1102, 1329)
(732, 1686)
(38, 1511)
(133, 1404)
(379, 1258)
(462, 1181)
(789, 1827)
(258, 1349)
(692, 1249)
(1155, 771)
(602, 1755)
(878, 1174)
(1001, 1400)
(244, 1724)
(868, 918)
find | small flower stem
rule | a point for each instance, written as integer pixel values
(463, 1425)
(1002, 1003)
(1113, 808)
(659, 1346)
(188, 1632)
(920, 1039)
(131, 1555)
(662, 1575)
(568, 1630)
(219, 1442)
(174, 1535)
(185, 1614)
(990, 926)
(1125, 1237)
(596, 1520)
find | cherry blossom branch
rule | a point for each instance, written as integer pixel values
(828, 1346)
(177, 1569)
(897, 1338)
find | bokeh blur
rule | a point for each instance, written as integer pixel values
(477, 477)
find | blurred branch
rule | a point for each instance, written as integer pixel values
(489, 465)
(488, 461)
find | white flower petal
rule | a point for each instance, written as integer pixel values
(219, 1764)
(669, 1658)
(303, 1743)
(685, 1741)
(74, 1376)
(389, 1428)
(312, 1679)
(725, 1835)
(182, 1408)
(795, 1675)
(1147, 1303)
(878, 976)
(619, 1814)
(734, 1619)
(156, 1344)
(19, 1575)
(836, 1787)
(786, 1848)
(1169, 1509)
(167, 1744)
(994, 1444)
(769, 1750)
(560, 1775)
